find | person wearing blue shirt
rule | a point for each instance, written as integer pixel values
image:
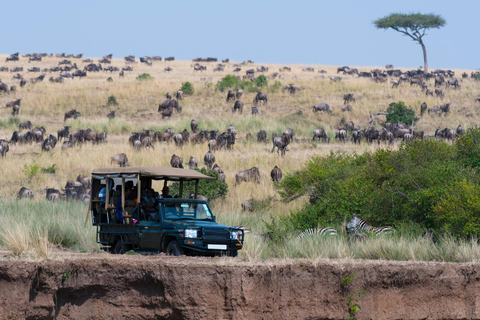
(118, 207)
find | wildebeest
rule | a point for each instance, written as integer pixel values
(252, 174)
(63, 133)
(395, 83)
(192, 163)
(322, 107)
(280, 143)
(289, 134)
(341, 135)
(120, 159)
(291, 88)
(254, 111)
(320, 134)
(52, 194)
(423, 108)
(239, 93)
(209, 159)
(168, 96)
(13, 103)
(439, 92)
(169, 104)
(247, 205)
(101, 137)
(179, 95)
(335, 79)
(276, 174)
(238, 106)
(25, 193)
(260, 97)
(176, 161)
(231, 95)
(166, 113)
(111, 114)
(25, 125)
(262, 136)
(194, 125)
(49, 143)
(346, 108)
(71, 114)
(460, 130)
(4, 147)
(348, 97)
(452, 82)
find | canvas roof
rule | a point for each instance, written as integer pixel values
(157, 173)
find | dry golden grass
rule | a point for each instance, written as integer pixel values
(45, 104)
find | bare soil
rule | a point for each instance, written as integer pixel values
(99, 286)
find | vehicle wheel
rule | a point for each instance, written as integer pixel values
(233, 253)
(173, 249)
(119, 248)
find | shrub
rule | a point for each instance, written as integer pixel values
(31, 169)
(468, 147)
(112, 101)
(212, 189)
(187, 88)
(399, 112)
(144, 76)
(229, 81)
(275, 87)
(261, 81)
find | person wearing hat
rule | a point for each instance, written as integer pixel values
(165, 192)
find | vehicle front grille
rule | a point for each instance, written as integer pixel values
(215, 235)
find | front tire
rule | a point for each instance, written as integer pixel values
(174, 249)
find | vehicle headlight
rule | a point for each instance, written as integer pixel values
(235, 235)
(191, 233)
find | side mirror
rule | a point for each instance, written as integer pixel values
(214, 218)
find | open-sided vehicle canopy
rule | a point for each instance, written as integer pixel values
(155, 173)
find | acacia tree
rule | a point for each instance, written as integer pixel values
(413, 25)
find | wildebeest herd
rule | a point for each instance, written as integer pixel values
(213, 139)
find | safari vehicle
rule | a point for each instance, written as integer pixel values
(179, 225)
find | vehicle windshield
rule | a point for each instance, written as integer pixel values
(187, 211)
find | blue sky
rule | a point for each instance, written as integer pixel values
(285, 32)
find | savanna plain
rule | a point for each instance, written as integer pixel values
(38, 229)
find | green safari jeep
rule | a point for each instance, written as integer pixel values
(179, 226)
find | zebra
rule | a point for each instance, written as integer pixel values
(328, 231)
(358, 226)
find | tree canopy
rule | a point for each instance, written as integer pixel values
(413, 25)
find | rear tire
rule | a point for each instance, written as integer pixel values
(119, 248)
(174, 249)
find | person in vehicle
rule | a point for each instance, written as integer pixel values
(165, 192)
(149, 202)
(102, 195)
(129, 205)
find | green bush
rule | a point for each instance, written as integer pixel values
(187, 88)
(261, 81)
(422, 184)
(398, 111)
(144, 76)
(228, 82)
(468, 147)
(275, 87)
(212, 189)
(31, 170)
(112, 101)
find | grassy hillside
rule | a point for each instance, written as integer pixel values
(45, 103)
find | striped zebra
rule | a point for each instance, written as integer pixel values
(358, 226)
(328, 231)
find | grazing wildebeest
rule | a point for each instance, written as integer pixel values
(13, 103)
(49, 143)
(71, 114)
(251, 174)
(429, 92)
(179, 95)
(194, 125)
(348, 97)
(176, 161)
(231, 95)
(111, 114)
(4, 148)
(320, 134)
(52, 194)
(276, 174)
(15, 110)
(168, 96)
(291, 88)
(335, 79)
(280, 143)
(120, 159)
(192, 163)
(254, 111)
(452, 82)
(167, 113)
(238, 105)
(341, 135)
(169, 104)
(25, 193)
(322, 107)
(460, 130)
(101, 137)
(260, 97)
(346, 108)
(445, 107)
(247, 205)
(439, 92)
(289, 134)
(25, 125)
(209, 159)
(56, 79)
(395, 83)
(239, 93)
(262, 136)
